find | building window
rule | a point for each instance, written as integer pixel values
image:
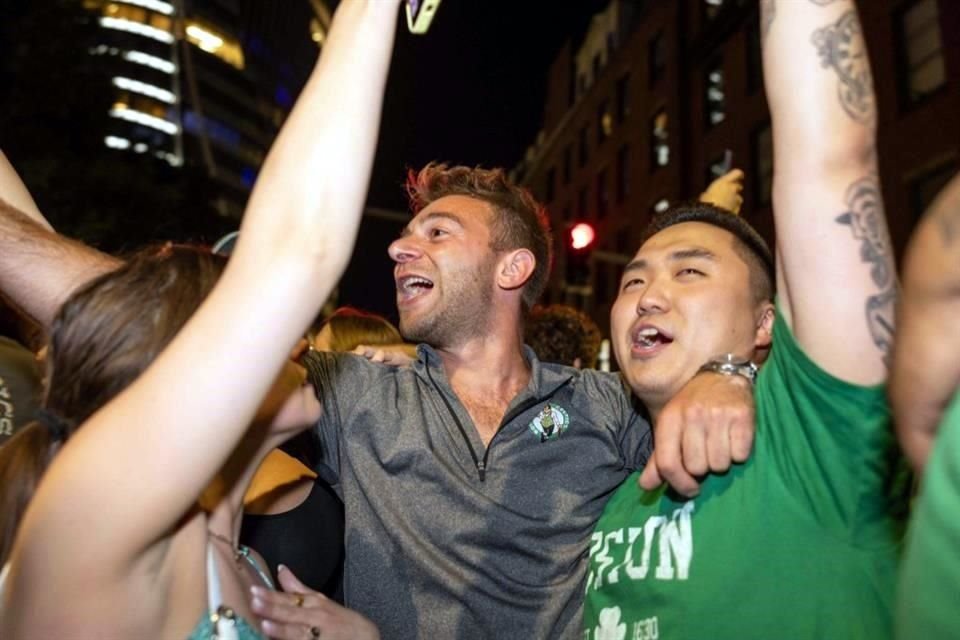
(604, 122)
(659, 140)
(550, 191)
(215, 42)
(921, 51)
(582, 204)
(763, 165)
(623, 97)
(584, 142)
(657, 56)
(567, 164)
(754, 58)
(715, 99)
(603, 195)
(623, 173)
(925, 187)
(711, 8)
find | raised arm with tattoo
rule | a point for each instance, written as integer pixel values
(926, 369)
(835, 272)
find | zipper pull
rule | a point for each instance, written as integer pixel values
(482, 469)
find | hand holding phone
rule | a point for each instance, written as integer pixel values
(420, 14)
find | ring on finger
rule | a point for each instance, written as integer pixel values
(314, 632)
(298, 599)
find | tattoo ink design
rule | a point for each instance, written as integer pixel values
(768, 11)
(841, 47)
(864, 215)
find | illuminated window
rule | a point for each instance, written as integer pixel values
(317, 33)
(711, 8)
(115, 142)
(921, 51)
(211, 40)
(659, 140)
(604, 122)
(138, 57)
(137, 27)
(122, 111)
(143, 88)
(714, 98)
(154, 5)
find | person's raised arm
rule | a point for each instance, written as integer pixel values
(141, 462)
(926, 363)
(835, 275)
(39, 268)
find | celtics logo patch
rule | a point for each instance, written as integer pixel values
(550, 422)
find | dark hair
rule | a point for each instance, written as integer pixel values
(103, 337)
(349, 328)
(520, 222)
(560, 333)
(749, 245)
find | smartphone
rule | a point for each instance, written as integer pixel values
(420, 14)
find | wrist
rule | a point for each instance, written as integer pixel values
(733, 366)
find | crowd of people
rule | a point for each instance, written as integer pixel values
(186, 453)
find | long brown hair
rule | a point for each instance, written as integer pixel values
(349, 328)
(102, 338)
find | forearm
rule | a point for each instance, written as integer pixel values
(818, 84)
(926, 370)
(39, 269)
(313, 185)
(13, 191)
(833, 249)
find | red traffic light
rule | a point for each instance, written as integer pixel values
(582, 236)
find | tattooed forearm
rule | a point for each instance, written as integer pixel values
(768, 11)
(841, 47)
(865, 217)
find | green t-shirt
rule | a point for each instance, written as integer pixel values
(930, 580)
(801, 541)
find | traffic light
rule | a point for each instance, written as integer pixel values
(580, 240)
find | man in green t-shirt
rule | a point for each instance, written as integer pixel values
(924, 393)
(802, 540)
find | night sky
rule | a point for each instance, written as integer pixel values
(471, 91)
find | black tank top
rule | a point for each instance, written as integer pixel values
(308, 539)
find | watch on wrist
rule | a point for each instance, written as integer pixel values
(729, 364)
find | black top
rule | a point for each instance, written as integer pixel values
(308, 539)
